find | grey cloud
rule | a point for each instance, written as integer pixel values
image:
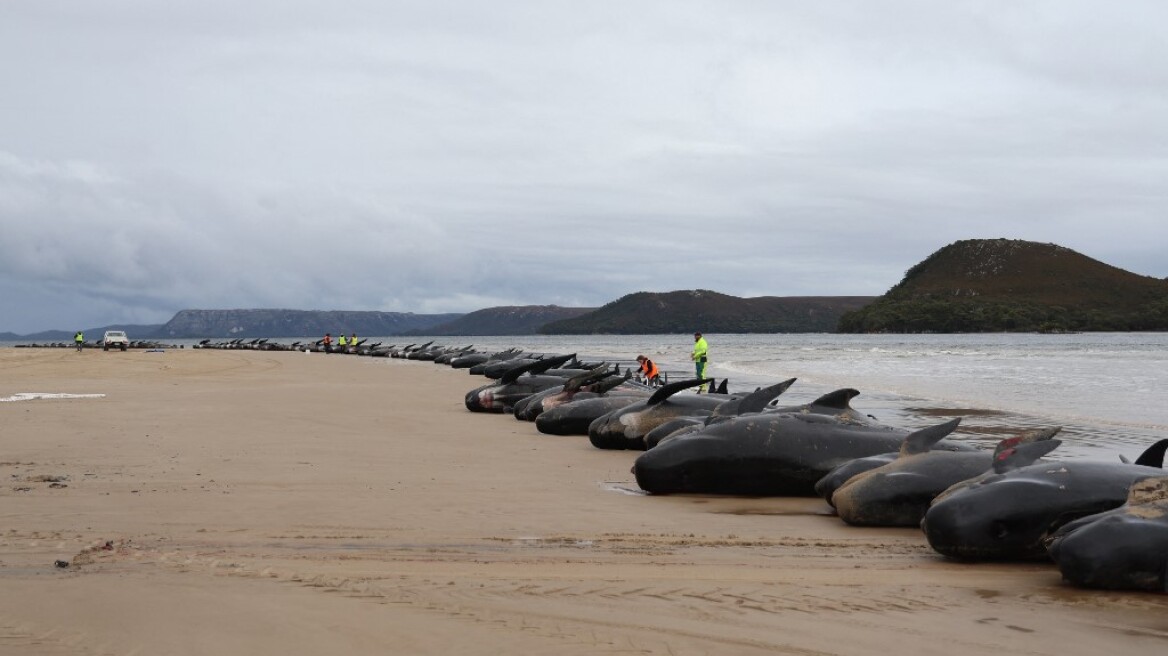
(446, 156)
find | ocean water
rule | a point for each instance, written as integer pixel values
(1106, 390)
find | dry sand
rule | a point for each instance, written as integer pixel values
(219, 502)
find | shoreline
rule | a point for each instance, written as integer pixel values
(282, 502)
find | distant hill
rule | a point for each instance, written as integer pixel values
(294, 323)
(991, 285)
(504, 320)
(687, 311)
(135, 331)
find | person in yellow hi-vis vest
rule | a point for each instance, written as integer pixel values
(700, 355)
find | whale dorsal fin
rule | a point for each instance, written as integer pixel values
(551, 363)
(924, 439)
(537, 367)
(1025, 438)
(722, 387)
(837, 399)
(1154, 455)
(611, 382)
(512, 374)
(666, 391)
(1022, 455)
(757, 400)
(596, 373)
(1148, 490)
(1124, 459)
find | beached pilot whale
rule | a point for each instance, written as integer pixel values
(836, 403)
(1011, 515)
(583, 386)
(574, 417)
(626, 427)
(899, 492)
(767, 454)
(833, 404)
(515, 385)
(572, 384)
(756, 401)
(834, 479)
(1121, 549)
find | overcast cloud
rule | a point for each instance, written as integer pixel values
(439, 156)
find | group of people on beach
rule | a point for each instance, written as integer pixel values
(342, 341)
(700, 356)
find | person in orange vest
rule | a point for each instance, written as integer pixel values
(328, 342)
(649, 370)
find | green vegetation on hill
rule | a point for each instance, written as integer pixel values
(503, 320)
(686, 311)
(295, 323)
(1003, 285)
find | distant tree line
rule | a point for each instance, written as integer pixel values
(969, 316)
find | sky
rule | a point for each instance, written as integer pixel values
(447, 156)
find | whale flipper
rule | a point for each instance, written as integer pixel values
(1022, 455)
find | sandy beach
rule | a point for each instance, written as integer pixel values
(232, 502)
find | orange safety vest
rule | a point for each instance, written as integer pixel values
(650, 369)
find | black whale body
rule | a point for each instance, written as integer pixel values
(768, 454)
(898, 493)
(1121, 549)
(1010, 516)
(735, 406)
(515, 385)
(626, 427)
(573, 418)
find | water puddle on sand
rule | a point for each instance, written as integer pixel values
(621, 487)
(30, 396)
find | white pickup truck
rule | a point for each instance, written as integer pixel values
(116, 339)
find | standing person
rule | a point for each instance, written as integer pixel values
(328, 342)
(341, 342)
(699, 356)
(353, 340)
(649, 370)
(79, 338)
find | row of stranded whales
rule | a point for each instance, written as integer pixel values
(626, 427)
(575, 389)
(516, 384)
(1105, 525)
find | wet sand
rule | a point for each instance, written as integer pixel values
(219, 502)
